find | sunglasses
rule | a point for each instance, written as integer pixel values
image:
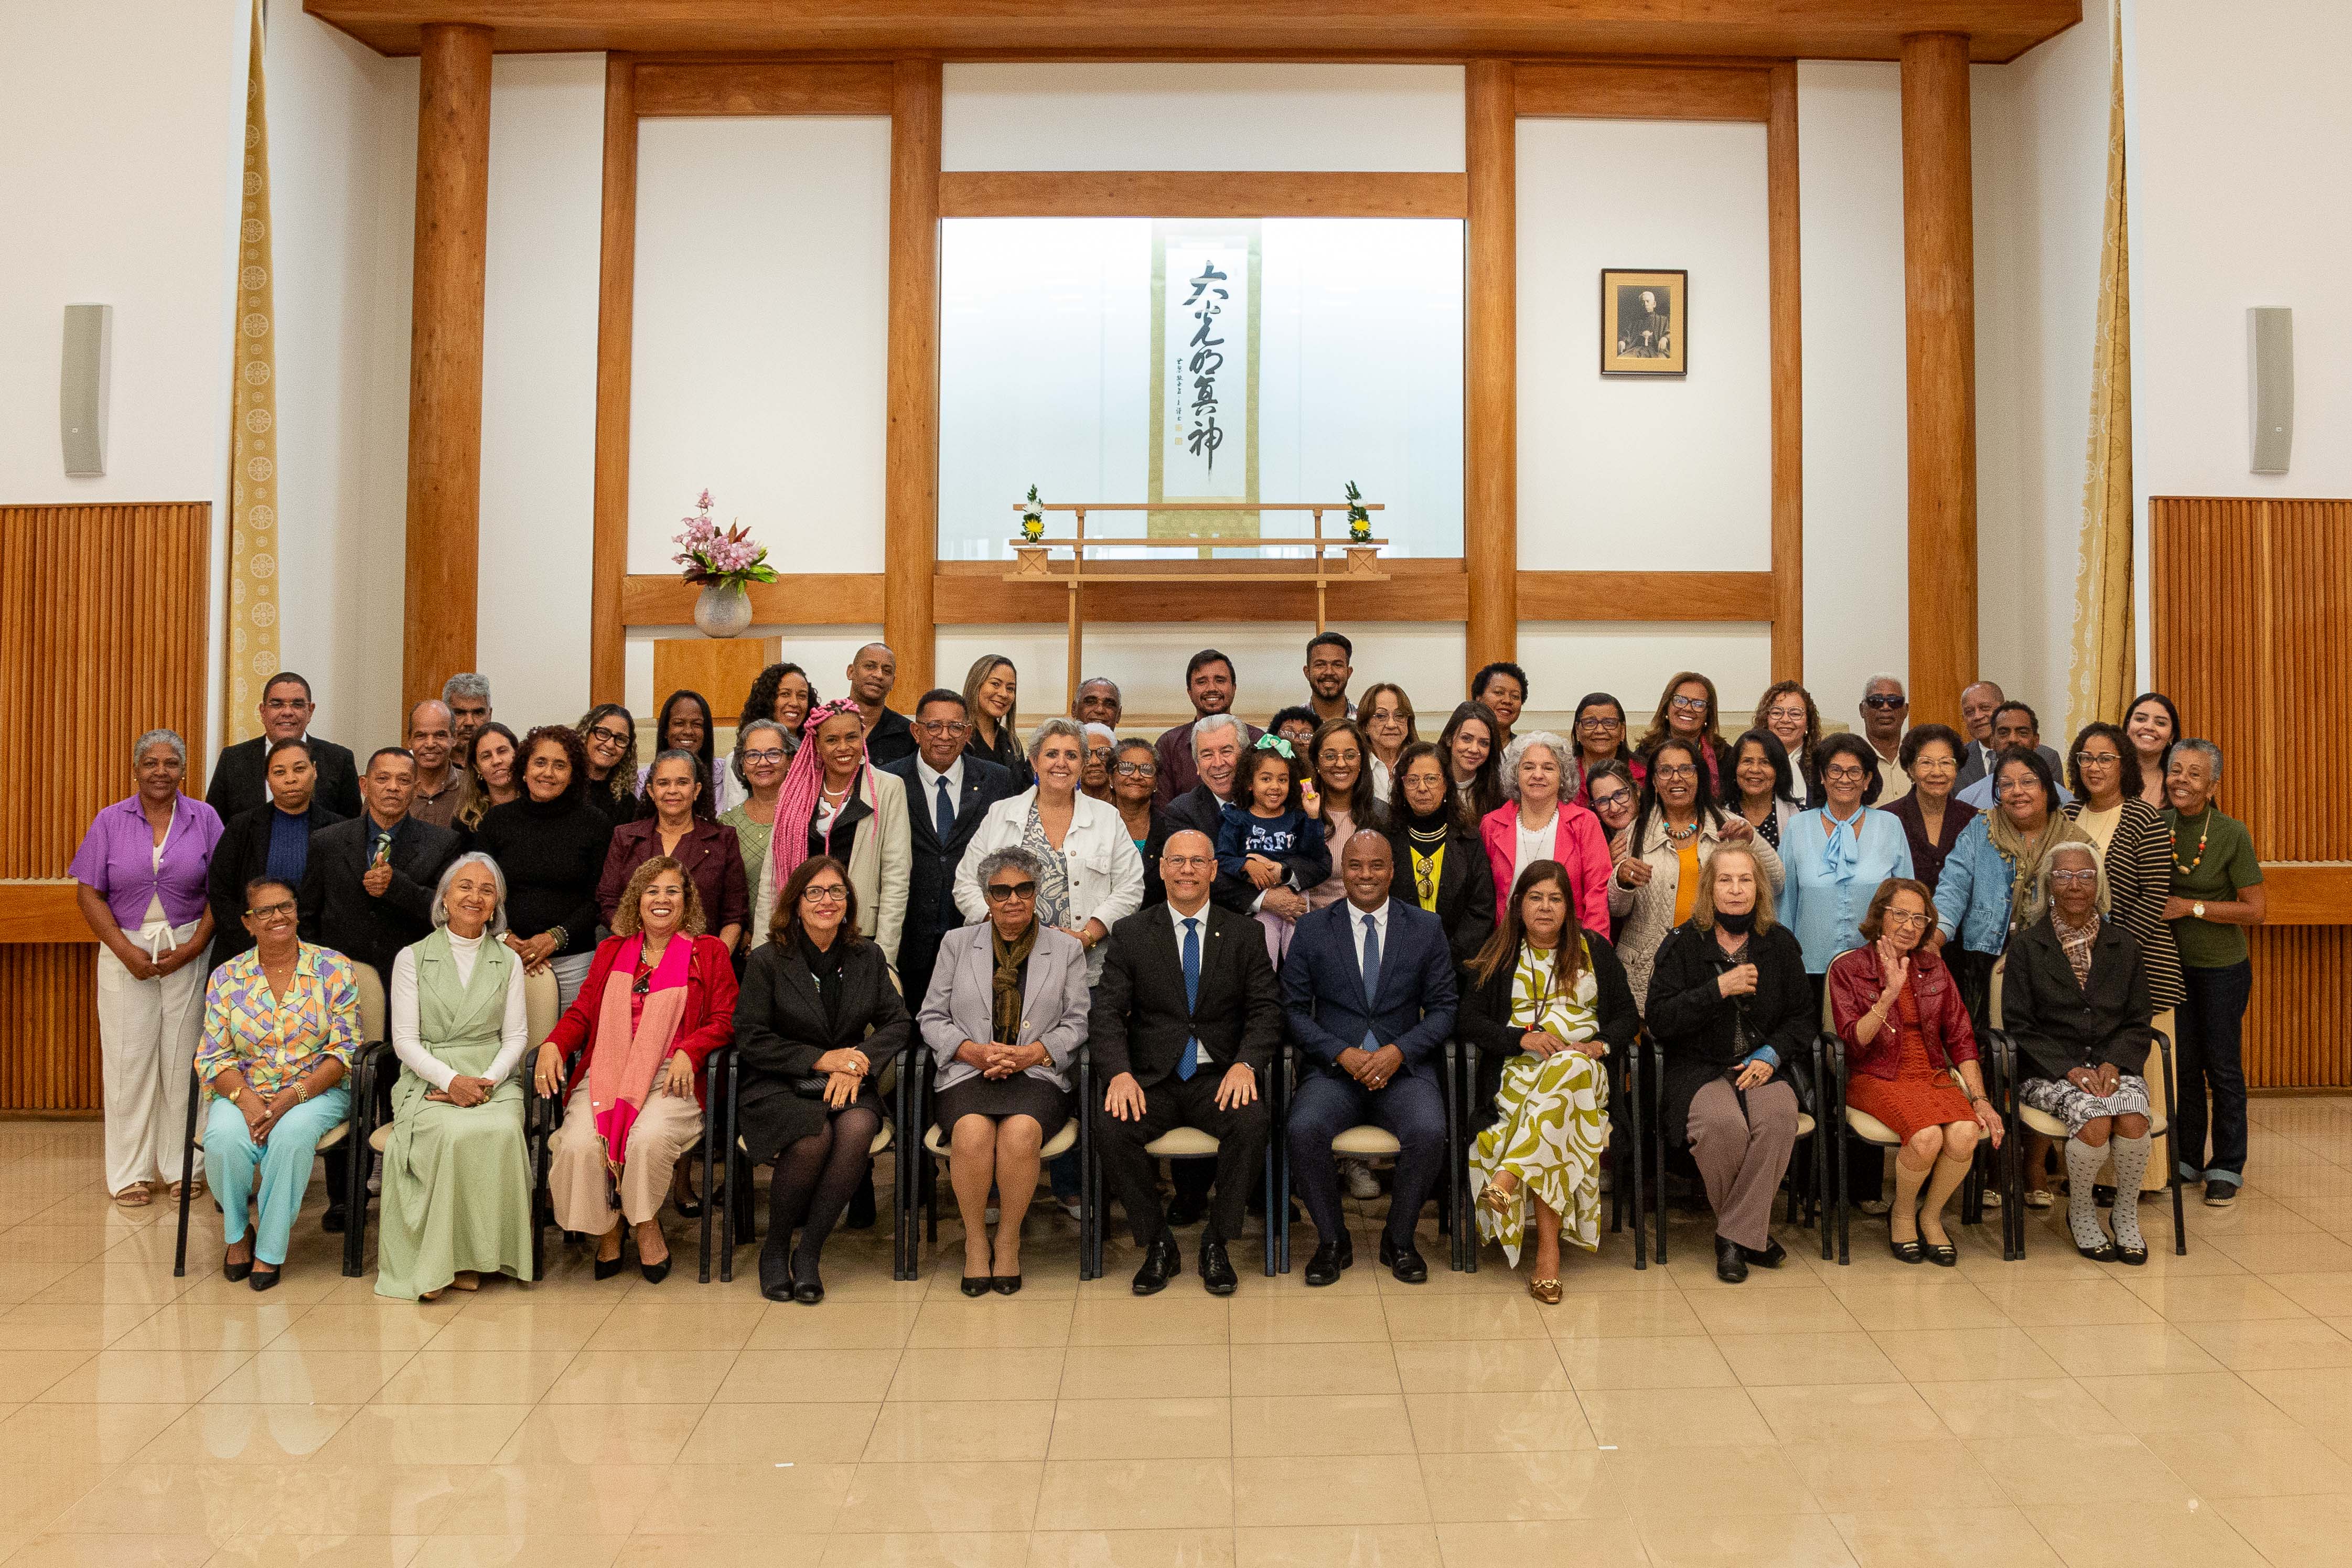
(1005, 893)
(1884, 703)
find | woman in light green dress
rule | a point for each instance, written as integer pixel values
(1543, 1004)
(457, 1168)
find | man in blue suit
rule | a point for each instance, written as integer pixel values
(948, 793)
(1368, 990)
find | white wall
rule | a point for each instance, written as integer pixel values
(1166, 115)
(343, 180)
(2041, 163)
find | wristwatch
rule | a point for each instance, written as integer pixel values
(2197, 910)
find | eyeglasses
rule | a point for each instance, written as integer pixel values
(1004, 892)
(602, 736)
(1679, 771)
(2075, 878)
(1885, 702)
(1688, 704)
(1615, 798)
(283, 910)
(2096, 759)
(1136, 770)
(2020, 788)
(1788, 715)
(769, 755)
(943, 728)
(1600, 726)
(831, 893)
(1904, 920)
(1341, 758)
(1844, 775)
(1189, 862)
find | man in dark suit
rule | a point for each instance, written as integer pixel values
(1368, 990)
(1214, 748)
(1186, 1015)
(947, 791)
(871, 675)
(240, 778)
(1981, 707)
(367, 890)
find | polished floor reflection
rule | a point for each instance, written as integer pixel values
(2198, 1411)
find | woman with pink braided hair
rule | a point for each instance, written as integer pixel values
(835, 802)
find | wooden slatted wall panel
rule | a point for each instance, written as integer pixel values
(2252, 638)
(102, 635)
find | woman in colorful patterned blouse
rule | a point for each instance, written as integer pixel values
(1544, 1001)
(280, 1025)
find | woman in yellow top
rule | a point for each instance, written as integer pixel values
(281, 1022)
(1674, 829)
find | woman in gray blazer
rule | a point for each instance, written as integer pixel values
(1006, 1010)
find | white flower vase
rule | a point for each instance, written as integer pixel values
(723, 610)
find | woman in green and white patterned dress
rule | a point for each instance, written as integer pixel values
(1542, 1004)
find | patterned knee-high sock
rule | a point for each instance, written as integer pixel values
(2131, 1163)
(2082, 1163)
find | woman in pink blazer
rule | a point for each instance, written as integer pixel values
(1538, 823)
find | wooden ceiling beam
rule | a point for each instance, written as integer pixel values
(1997, 30)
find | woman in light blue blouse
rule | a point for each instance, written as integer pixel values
(1835, 855)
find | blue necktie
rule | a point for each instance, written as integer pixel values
(946, 814)
(1191, 1062)
(1372, 978)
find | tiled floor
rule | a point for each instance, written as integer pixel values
(2054, 1410)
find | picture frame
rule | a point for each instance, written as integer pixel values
(1644, 322)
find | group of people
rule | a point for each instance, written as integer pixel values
(851, 892)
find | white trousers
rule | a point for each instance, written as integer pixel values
(147, 1033)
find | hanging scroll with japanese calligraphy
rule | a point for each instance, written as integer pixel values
(1205, 285)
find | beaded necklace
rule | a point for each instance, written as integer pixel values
(2203, 833)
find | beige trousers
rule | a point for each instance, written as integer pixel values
(666, 1129)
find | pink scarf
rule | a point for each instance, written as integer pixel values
(796, 802)
(619, 1078)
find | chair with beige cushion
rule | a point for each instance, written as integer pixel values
(1871, 1130)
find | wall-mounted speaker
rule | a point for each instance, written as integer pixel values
(2270, 385)
(82, 389)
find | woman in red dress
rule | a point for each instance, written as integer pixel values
(1911, 1062)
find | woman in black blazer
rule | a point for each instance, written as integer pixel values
(273, 839)
(1428, 836)
(818, 1020)
(1730, 1005)
(2075, 998)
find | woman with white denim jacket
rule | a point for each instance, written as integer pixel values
(1093, 877)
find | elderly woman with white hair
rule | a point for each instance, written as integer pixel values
(1538, 822)
(2074, 997)
(1089, 876)
(1101, 742)
(1003, 1020)
(144, 870)
(457, 1173)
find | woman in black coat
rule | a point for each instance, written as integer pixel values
(1730, 1006)
(1439, 864)
(818, 1020)
(2083, 1035)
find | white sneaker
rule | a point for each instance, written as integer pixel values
(1362, 1185)
(1069, 1207)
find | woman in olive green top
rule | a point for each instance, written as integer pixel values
(2217, 893)
(762, 747)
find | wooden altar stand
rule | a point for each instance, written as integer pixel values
(1032, 562)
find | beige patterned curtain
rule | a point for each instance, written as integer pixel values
(2103, 662)
(253, 462)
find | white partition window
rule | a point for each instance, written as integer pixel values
(1253, 360)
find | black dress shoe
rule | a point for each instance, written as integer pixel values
(1730, 1261)
(656, 1273)
(1216, 1270)
(608, 1267)
(1772, 1257)
(232, 1272)
(333, 1220)
(1405, 1262)
(808, 1289)
(1160, 1262)
(268, 1281)
(1005, 1284)
(1331, 1259)
(973, 1285)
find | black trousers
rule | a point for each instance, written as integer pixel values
(1131, 1176)
(1324, 1107)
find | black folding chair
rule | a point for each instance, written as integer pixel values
(1368, 1142)
(731, 1199)
(1830, 1049)
(1625, 1083)
(1183, 1144)
(1803, 1181)
(919, 1194)
(2021, 1116)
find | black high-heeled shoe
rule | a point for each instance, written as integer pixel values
(1005, 1284)
(267, 1281)
(975, 1285)
(232, 1272)
(607, 1268)
(656, 1273)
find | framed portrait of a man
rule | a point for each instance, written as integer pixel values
(1644, 323)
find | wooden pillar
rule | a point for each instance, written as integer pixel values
(445, 358)
(1490, 529)
(1939, 333)
(912, 464)
(616, 289)
(1788, 382)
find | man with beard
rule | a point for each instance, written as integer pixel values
(1329, 666)
(1209, 682)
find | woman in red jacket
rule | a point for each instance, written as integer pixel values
(1539, 822)
(659, 997)
(1911, 1062)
